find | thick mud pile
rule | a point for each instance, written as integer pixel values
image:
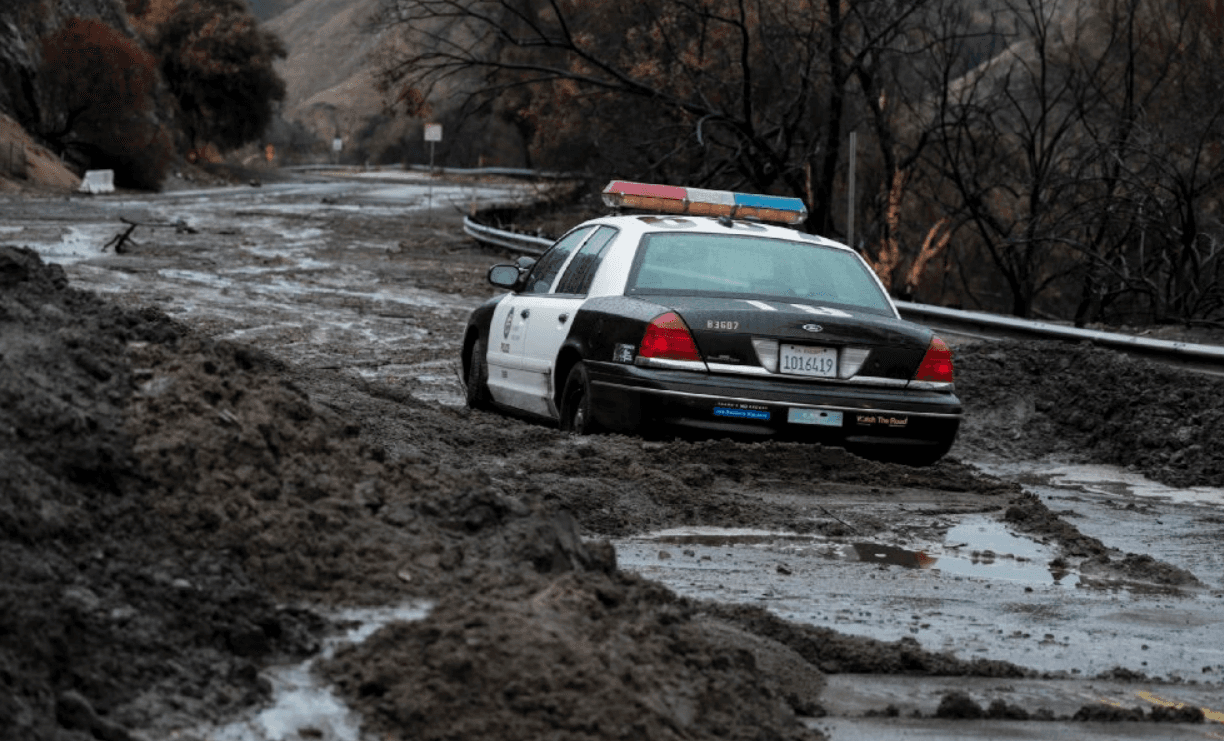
(164, 496)
(1081, 402)
(106, 621)
(587, 656)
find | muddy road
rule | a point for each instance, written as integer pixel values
(242, 500)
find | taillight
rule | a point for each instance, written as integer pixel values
(936, 364)
(668, 338)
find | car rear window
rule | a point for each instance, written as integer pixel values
(743, 266)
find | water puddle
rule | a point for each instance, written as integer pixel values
(1107, 481)
(977, 547)
(1131, 513)
(303, 706)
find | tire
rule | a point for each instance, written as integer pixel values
(477, 382)
(576, 403)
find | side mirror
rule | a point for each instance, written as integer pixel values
(504, 276)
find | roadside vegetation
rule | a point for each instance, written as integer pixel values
(1046, 158)
(136, 92)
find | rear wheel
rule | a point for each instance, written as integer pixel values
(576, 403)
(477, 381)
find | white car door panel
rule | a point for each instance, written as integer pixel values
(551, 317)
(519, 372)
(509, 381)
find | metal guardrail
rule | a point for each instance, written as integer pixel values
(1188, 354)
(514, 172)
(997, 324)
(512, 241)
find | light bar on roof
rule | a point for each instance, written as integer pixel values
(700, 202)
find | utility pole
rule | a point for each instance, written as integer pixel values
(850, 189)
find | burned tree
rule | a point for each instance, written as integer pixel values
(218, 64)
(740, 94)
(99, 107)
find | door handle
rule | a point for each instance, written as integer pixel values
(562, 318)
(525, 313)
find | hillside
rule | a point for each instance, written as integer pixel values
(329, 86)
(23, 162)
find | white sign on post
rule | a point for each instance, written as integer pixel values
(433, 135)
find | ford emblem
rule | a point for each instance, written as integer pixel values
(813, 327)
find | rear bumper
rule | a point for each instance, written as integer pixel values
(629, 398)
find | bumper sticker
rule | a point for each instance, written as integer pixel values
(881, 419)
(740, 413)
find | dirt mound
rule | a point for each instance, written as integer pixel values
(618, 486)
(105, 621)
(1097, 405)
(159, 489)
(586, 656)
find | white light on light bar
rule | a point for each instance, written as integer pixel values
(701, 202)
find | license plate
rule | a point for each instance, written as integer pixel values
(814, 417)
(804, 360)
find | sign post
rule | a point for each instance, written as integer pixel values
(433, 135)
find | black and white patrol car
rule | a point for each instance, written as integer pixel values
(703, 315)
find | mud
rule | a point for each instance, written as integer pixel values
(178, 511)
(1086, 403)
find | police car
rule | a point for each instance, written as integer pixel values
(708, 312)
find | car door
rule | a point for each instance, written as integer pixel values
(550, 318)
(511, 383)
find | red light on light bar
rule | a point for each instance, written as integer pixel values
(701, 202)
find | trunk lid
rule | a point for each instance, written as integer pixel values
(724, 330)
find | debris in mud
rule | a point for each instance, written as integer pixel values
(958, 705)
(1158, 714)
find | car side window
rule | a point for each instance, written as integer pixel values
(581, 271)
(544, 271)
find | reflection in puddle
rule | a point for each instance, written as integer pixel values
(892, 555)
(304, 707)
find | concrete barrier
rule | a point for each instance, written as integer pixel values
(98, 181)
